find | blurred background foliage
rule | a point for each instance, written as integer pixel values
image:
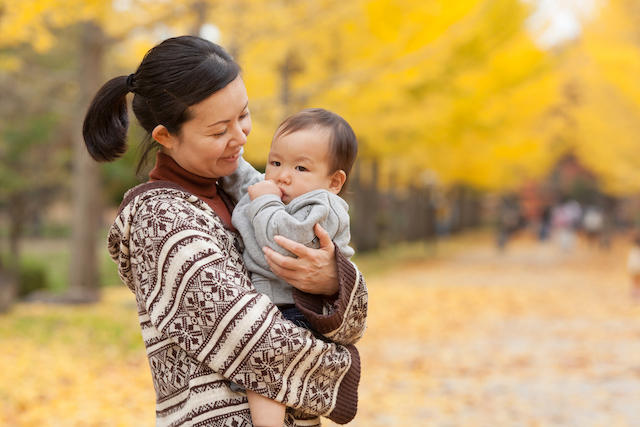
(454, 103)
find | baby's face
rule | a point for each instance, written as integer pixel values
(299, 163)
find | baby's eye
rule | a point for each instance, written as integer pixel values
(301, 168)
(275, 163)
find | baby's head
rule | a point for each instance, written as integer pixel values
(312, 150)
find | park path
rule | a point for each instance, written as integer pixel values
(533, 337)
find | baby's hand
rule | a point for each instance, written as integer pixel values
(263, 188)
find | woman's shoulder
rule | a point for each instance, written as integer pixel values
(156, 191)
(164, 200)
(167, 206)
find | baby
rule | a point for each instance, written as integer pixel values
(311, 155)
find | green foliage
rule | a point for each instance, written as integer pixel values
(52, 256)
(54, 264)
(33, 277)
(52, 231)
(25, 144)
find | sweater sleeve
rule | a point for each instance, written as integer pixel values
(196, 292)
(342, 320)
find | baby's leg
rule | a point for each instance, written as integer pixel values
(264, 411)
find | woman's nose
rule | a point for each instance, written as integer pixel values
(240, 133)
(240, 137)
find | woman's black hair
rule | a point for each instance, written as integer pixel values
(174, 75)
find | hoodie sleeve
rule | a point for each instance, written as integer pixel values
(236, 184)
(270, 217)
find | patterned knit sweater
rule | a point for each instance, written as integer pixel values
(204, 325)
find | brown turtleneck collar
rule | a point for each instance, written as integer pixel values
(167, 169)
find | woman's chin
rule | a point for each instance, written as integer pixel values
(227, 167)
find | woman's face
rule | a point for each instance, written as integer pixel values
(210, 143)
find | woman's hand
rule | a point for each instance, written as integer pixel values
(315, 271)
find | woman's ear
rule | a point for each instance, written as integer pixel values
(163, 137)
(337, 181)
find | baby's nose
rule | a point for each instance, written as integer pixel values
(283, 177)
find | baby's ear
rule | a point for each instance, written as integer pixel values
(337, 181)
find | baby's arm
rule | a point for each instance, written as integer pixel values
(296, 221)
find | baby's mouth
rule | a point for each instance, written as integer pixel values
(284, 193)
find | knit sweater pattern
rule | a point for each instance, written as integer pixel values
(204, 325)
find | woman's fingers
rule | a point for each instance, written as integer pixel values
(277, 262)
(297, 248)
(324, 238)
(313, 271)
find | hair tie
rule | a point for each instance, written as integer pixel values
(130, 83)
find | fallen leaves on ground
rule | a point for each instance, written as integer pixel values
(470, 337)
(531, 337)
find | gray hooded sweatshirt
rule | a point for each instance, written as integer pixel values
(258, 221)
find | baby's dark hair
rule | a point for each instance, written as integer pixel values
(343, 144)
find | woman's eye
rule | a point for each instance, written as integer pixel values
(220, 134)
(244, 115)
(301, 168)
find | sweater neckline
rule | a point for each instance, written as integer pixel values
(166, 169)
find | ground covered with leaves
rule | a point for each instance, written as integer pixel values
(459, 334)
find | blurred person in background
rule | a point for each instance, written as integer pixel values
(509, 222)
(203, 323)
(566, 218)
(593, 225)
(545, 224)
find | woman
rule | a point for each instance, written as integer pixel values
(202, 322)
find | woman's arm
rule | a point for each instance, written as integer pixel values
(199, 296)
(330, 290)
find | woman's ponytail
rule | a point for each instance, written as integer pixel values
(107, 121)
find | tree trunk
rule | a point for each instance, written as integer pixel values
(291, 66)
(8, 275)
(199, 8)
(8, 289)
(10, 270)
(84, 286)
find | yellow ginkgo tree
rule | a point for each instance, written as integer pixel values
(604, 66)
